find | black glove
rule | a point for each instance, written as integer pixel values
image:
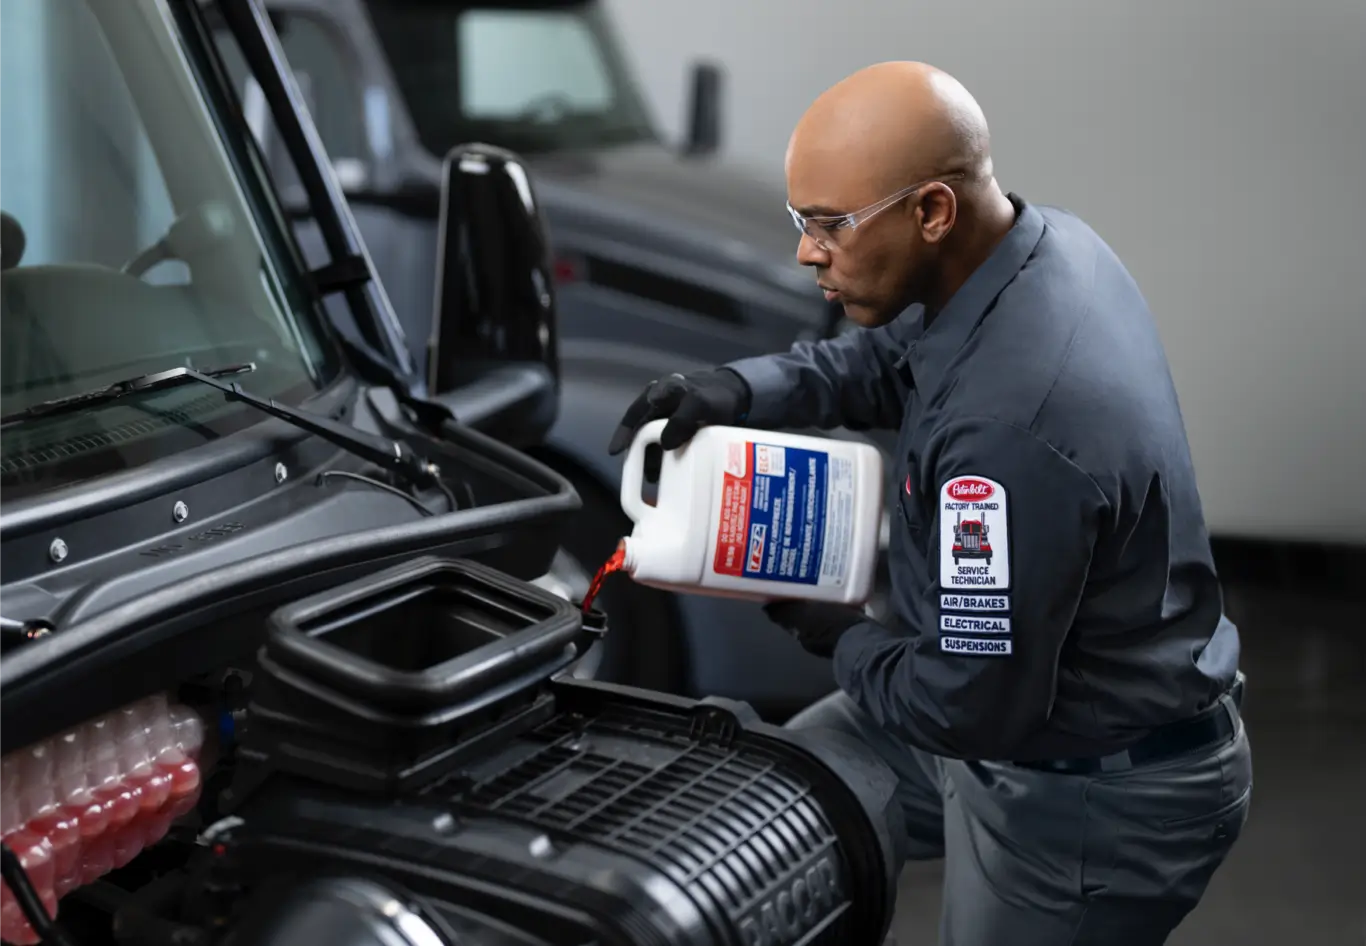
(817, 625)
(718, 396)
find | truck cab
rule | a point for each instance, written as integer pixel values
(286, 654)
(186, 439)
(177, 395)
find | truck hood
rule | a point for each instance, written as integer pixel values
(698, 209)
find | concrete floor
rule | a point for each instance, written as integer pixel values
(1297, 873)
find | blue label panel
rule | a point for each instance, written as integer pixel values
(787, 514)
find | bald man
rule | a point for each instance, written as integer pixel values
(1058, 690)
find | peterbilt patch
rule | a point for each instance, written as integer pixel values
(974, 536)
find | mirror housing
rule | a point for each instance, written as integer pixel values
(705, 110)
(493, 356)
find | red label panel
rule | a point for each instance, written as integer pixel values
(733, 526)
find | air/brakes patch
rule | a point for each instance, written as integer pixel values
(975, 603)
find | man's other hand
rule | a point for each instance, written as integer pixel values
(717, 396)
(817, 625)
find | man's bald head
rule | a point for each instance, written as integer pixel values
(889, 126)
(869, 137)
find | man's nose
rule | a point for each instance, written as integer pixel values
(810, 254)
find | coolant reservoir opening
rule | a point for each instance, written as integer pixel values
(75, 806)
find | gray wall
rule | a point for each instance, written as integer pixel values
(1218, 145)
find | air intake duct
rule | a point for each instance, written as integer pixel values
(536, 808)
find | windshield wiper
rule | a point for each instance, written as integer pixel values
(383, 452)
(111, 392)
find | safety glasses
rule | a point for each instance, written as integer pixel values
(826, 231)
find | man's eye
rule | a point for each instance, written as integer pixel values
(830, 225)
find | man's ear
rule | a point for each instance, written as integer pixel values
(938, 208)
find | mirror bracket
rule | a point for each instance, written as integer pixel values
(705, 110)
(339, 275)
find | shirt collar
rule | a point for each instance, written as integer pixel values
(932, 348)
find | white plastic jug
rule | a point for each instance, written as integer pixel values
(756, 514)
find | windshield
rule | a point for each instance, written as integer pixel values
(136, 239)
(531, 77)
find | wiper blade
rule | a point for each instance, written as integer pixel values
(388, 454)
(143, 382)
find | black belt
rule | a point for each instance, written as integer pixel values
(1213, 726)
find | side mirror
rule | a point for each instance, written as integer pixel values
(705, 110)
(493, 356)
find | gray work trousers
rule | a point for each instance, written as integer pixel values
(1042, 859)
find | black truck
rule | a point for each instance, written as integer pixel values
(666, 258)
(285, 657)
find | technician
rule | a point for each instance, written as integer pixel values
(1058, 691)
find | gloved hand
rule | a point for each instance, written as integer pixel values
(718, 396)
(817, 625)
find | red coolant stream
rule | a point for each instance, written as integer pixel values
(614, 564)
(76, 806)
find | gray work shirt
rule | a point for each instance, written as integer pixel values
(1053, 585)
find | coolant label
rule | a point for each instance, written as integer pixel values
(786, 515)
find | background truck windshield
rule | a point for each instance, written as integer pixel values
(533, 77)
(138, 236)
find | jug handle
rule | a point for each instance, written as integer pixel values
(634, 470)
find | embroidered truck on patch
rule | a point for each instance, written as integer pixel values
(971, 539)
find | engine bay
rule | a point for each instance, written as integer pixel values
(375, 733)
(408, 759)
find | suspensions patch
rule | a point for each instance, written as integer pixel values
(977, 646)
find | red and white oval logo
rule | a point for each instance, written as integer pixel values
(970, 489)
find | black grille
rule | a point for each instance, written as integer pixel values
(725, 822)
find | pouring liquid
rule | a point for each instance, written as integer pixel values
(614, 564)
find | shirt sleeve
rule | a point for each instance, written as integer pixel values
(972, 673)
(847, 381)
